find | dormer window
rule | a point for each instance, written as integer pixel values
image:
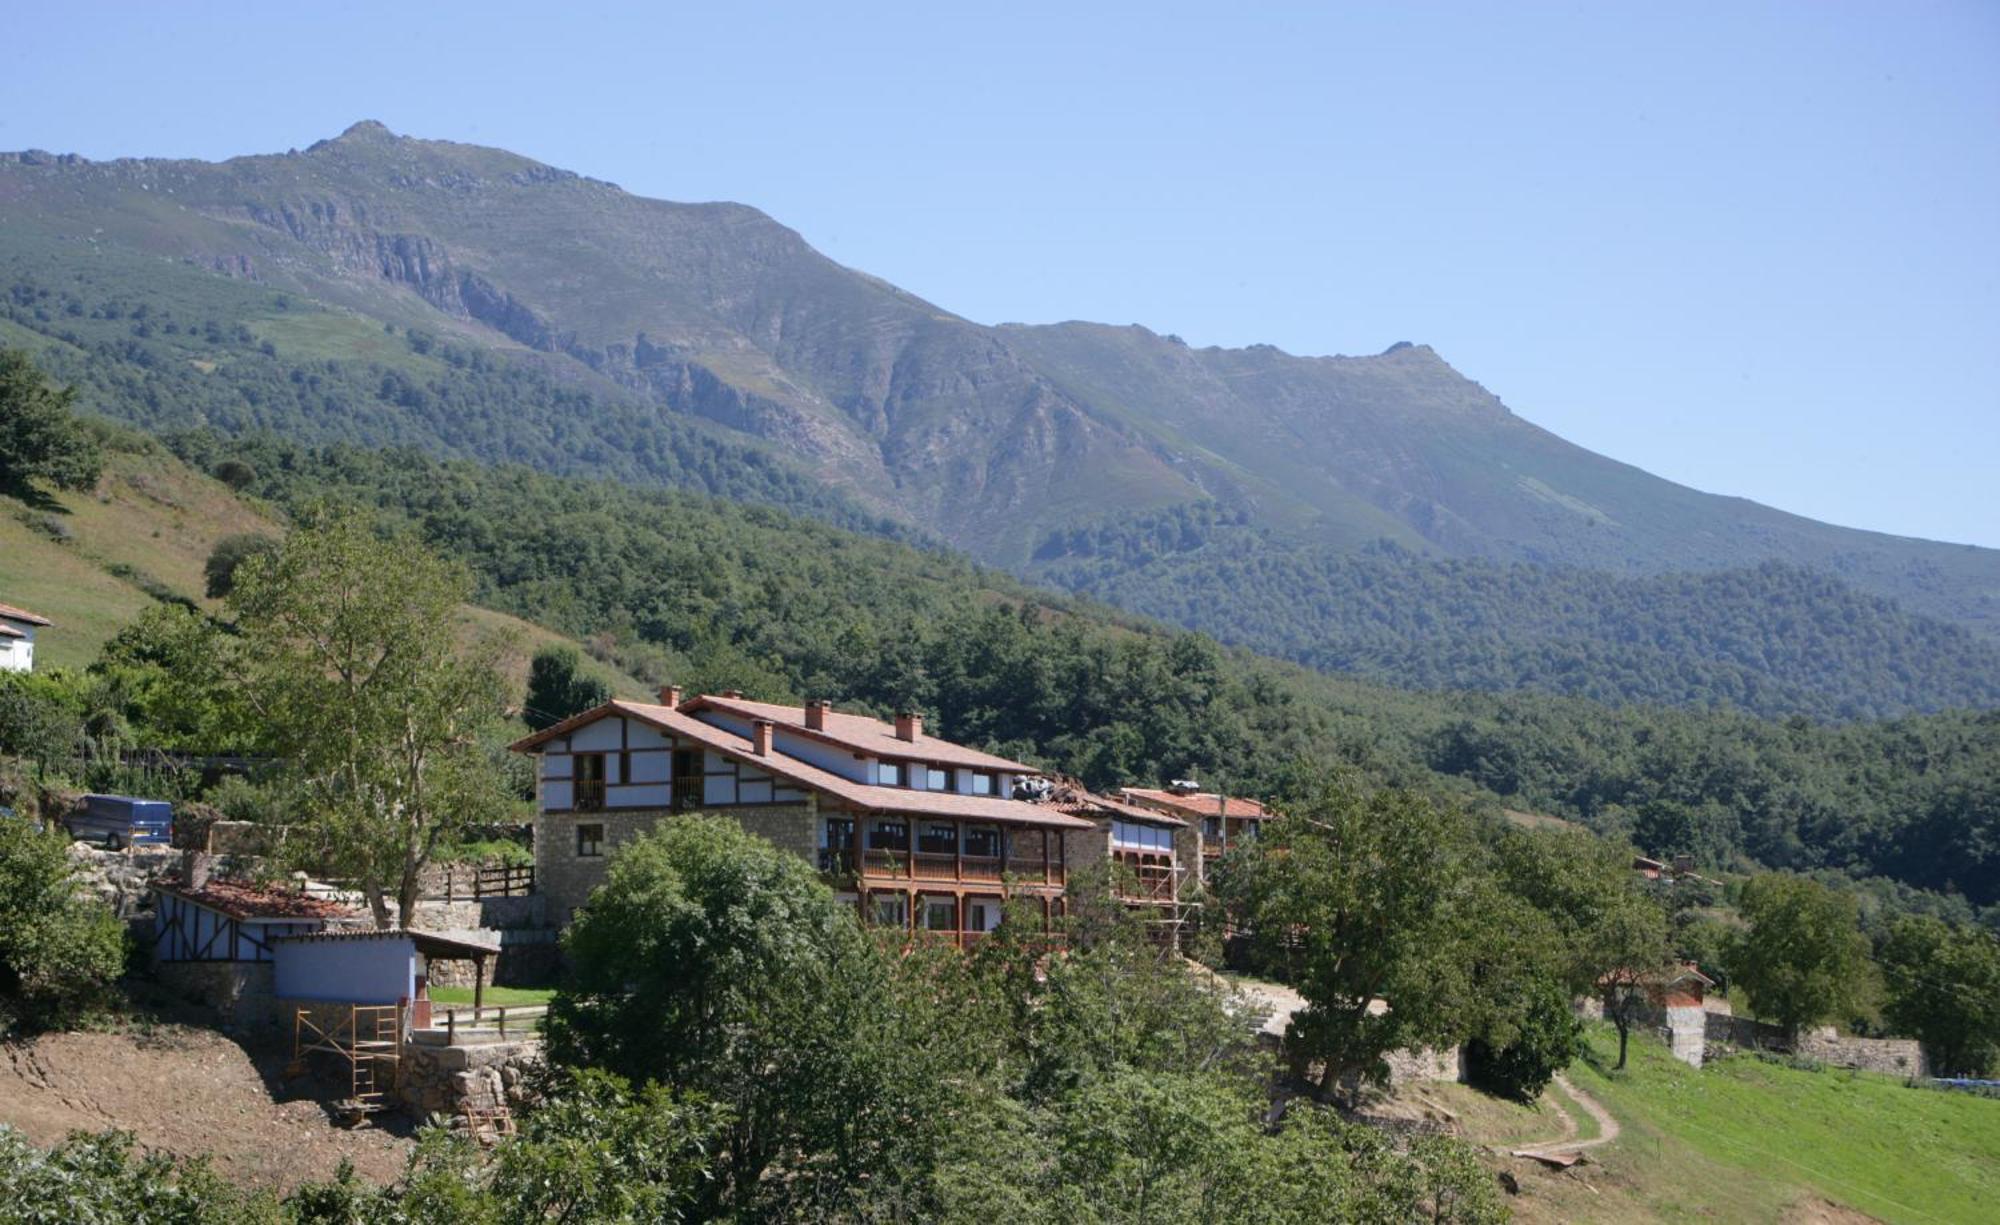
(940, 778)
(984, 783)
(890, 773)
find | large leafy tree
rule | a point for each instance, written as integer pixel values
(1942, 985)
(717, 965)
(1358, 897)
(41, 440)
(1803, 958)
(354, 666)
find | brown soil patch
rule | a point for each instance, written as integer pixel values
(186, 1090)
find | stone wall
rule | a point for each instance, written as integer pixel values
(1425, 1065)
(440, 1080)
(789, 827)
(241, 992)
(530, 957)
(565, 880)
(561, 876)
(1894, 1056)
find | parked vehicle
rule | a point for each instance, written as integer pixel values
(119, 821)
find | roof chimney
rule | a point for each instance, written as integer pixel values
(670, 695)
(909, 725)
(816, 713)
(760, 737)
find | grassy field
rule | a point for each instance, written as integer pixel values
(496, 997)
(1748, 1140)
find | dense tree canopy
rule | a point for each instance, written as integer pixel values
(41, 440)
(1803, 958)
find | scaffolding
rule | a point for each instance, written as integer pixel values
(368, 1038)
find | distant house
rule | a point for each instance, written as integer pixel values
(914, 831)
(17, 638)
(1220, 821)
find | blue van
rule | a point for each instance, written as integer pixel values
(119, 821)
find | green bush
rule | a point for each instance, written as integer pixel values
(60, 949)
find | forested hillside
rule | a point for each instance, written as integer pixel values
(171, 352)
(683, 587)
(1775, 639)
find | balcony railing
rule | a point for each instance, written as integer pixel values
(688, 792)
(587, 794)
(939, 866)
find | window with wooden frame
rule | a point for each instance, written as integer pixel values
(940, 914)
(889, 836)
(940, 778)
(587, 782)
(589, 840)
(982, 841)
(984, 783)
(938, 838)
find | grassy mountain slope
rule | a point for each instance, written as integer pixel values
(991, 436)
(1742, 1140)
(93, 562)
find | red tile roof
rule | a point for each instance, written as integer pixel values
(861, 733)
(239, 900)
(1088, 804)
(864, 796)
(8, 631)
(21, 614)
(1199, 803)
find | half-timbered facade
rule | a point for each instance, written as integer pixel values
(916, 832)
(230, 921)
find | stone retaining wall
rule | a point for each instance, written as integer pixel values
(241, 992)
(440, 1080)
(1895, 1056)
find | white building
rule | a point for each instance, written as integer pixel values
(17, 638)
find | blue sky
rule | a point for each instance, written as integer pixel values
(1751, 247)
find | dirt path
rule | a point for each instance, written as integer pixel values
(187, 1090)
(1607, 1127)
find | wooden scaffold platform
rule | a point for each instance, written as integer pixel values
(369, 1038)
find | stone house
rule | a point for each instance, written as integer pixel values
(916, 832)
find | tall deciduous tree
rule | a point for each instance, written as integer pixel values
(40, 438)
(1942, 985)
(1803, 958)
(354, 664)
(1362, 897)
(1612, 936)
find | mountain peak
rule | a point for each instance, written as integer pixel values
(366, 132)
(367, 129)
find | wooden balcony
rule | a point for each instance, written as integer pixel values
(880, 864)
(688, 792)
(587, 794)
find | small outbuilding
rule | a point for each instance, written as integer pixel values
(372, 967)
(225, 920)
